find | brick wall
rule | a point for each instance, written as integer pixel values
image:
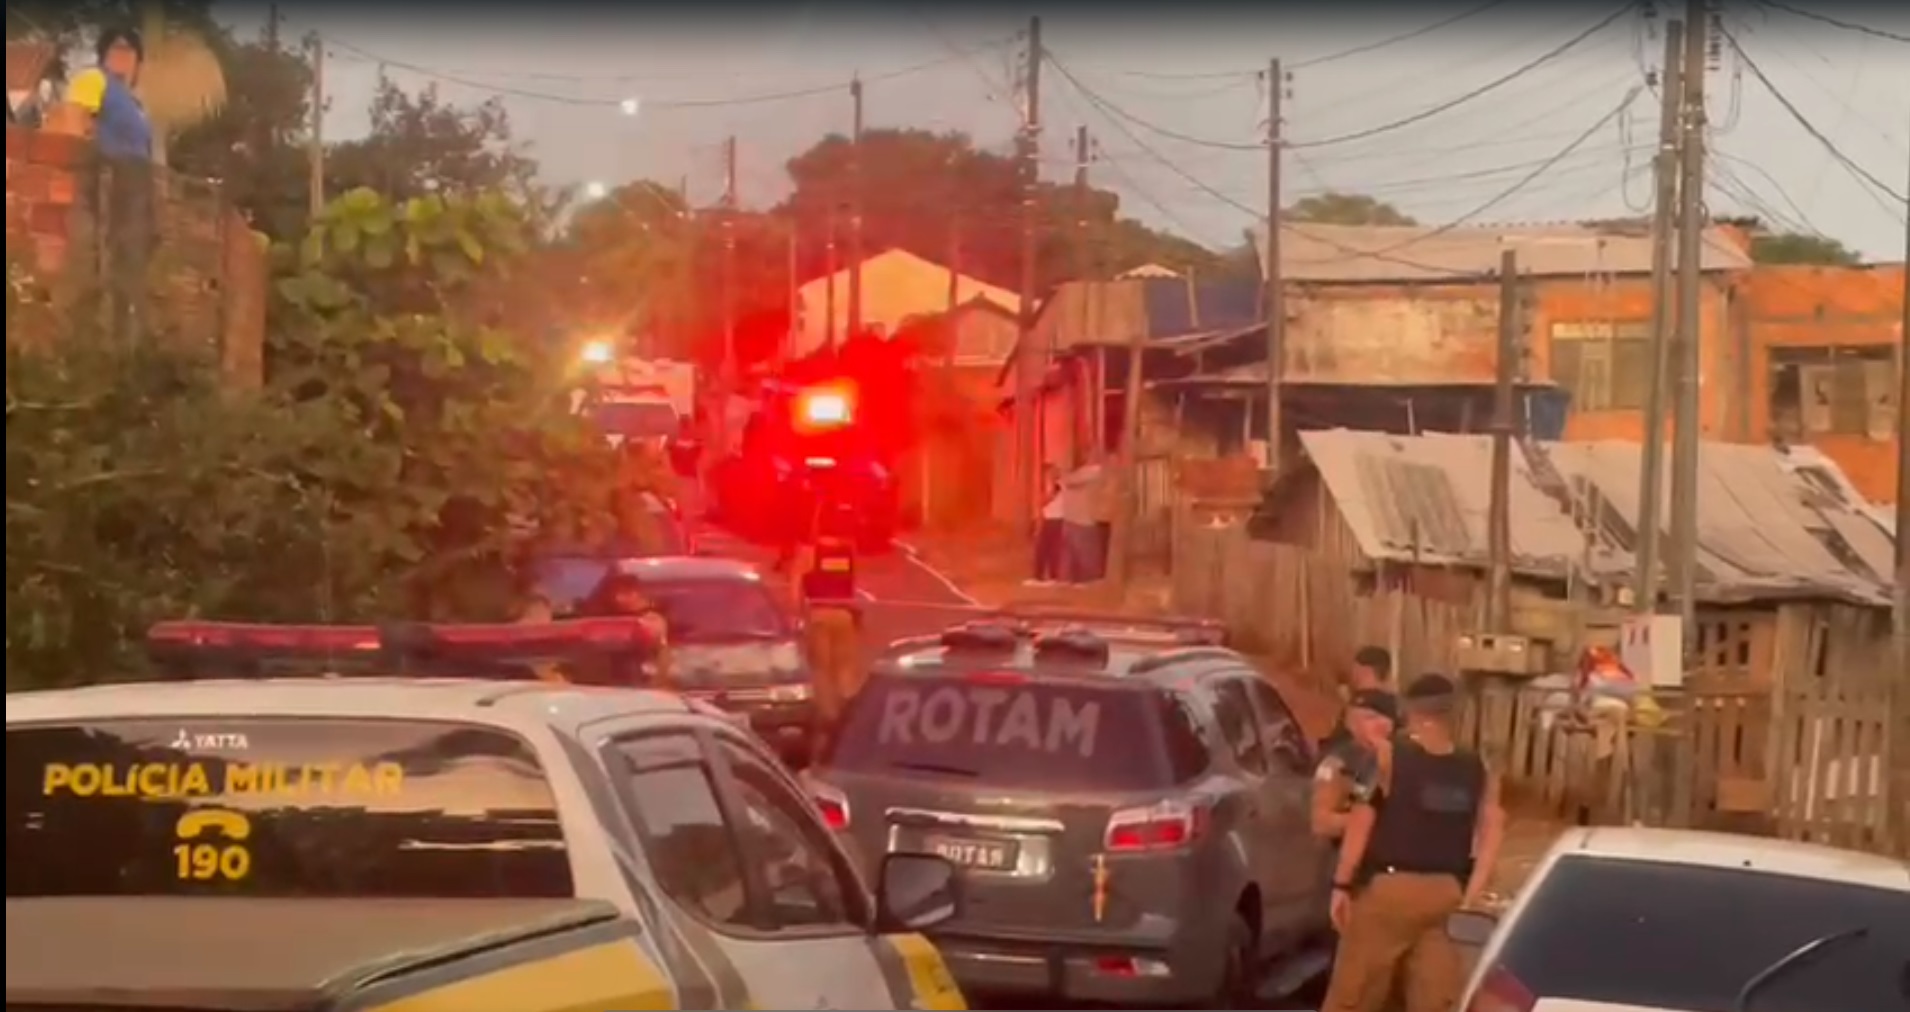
(209, 272)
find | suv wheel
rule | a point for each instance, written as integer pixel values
(1236, 986)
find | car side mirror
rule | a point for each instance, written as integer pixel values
(916, 892)
(1471, 928)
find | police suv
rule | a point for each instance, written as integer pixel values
(360, 841)
(1128, 808)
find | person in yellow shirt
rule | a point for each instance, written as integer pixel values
(825, 583)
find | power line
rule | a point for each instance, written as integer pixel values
(1108, 107)
(1851, 166)
(1511, 191)
(1485, 89)
(1360, 50)
(585, 101)
(1825, 19)
(1386, 43)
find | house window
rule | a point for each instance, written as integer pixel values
(1833, 391)
(1605, 365)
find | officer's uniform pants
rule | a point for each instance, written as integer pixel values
(1397, 933)
(834, 650)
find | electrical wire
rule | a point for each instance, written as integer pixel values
(1360, 50)
(1419, 117)
(1825, 19)
(1107, 107)
(1511, 191)
(1857, 171)
(596, 102)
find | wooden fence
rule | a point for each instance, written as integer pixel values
(1810, 757)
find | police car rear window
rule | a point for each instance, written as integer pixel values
(1009, 732)
(280, 807)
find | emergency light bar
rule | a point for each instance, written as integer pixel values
(449, 650)
(1114, 626)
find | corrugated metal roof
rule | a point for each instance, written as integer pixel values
(1363, 253)
(1772, 523)
(1150, 309)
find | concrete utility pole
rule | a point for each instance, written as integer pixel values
(1028, 362)
(1083, 157)
(315, 144)
(831, 267)
(793, 269)
(1651, 477)
(855, 212)
(1276, 296)
(1691, 229)
(1504, 425)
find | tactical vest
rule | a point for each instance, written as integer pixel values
(1428, 813)
(832, 573)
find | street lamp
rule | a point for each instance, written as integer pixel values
(631, 106)
(596, 189)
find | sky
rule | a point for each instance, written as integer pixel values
(1137, 75)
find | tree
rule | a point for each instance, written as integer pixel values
(256, 144)
(1801, 248)
(420, 144)
(1333, 208)
(915, 184)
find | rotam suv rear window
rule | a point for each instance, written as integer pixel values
(1010, 732)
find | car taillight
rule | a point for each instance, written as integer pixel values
(833, 806)
(1165, 826)
(1500, 991)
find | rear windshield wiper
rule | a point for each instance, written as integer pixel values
(1803, 955)
(951, 771)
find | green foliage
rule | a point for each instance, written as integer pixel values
(1799, 248)
(256, 144)
(1334, 208)
(402, 456)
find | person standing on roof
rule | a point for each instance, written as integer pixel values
(1421, 848)
(621, 595)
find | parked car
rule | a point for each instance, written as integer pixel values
(1129, 813)
(455, 843)
(734, 643)
(1645, 920)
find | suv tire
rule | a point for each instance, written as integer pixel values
(1236, 987)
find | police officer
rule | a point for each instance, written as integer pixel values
(826, 588)
(1372, 670)
(1348, 773)
(1421, 848)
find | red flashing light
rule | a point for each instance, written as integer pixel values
(518, 635)
(255, 636)
(825, 407)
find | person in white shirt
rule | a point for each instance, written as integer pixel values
(1080, 529)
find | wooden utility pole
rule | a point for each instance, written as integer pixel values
(729, 269)
(954, 272)
(855, 212)
(1903, 483)
(1276, 296)
(1028, 363)
(786, 349)
(1651, 476)
(1504, 425)
(831, 267)
(1687, 439)
(1127, 506)
(1083, 157)
(315, 144)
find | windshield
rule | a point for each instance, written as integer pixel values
(279, 807)
(636, 419)
(1689, 938)
(717, 611)
(1044, 736)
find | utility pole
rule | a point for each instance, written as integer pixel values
(1028, 362)
(1651, 477)
(855, 212)
(1687, 438)
(1903, 482)
(831, 269)
(787, 347)
(1083, 157)
(954, 272)
(315, 145)
(1276, 296)
(727, 382)
(1504, 422)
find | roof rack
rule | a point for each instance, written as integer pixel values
(188, 650)
(1168, 630)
